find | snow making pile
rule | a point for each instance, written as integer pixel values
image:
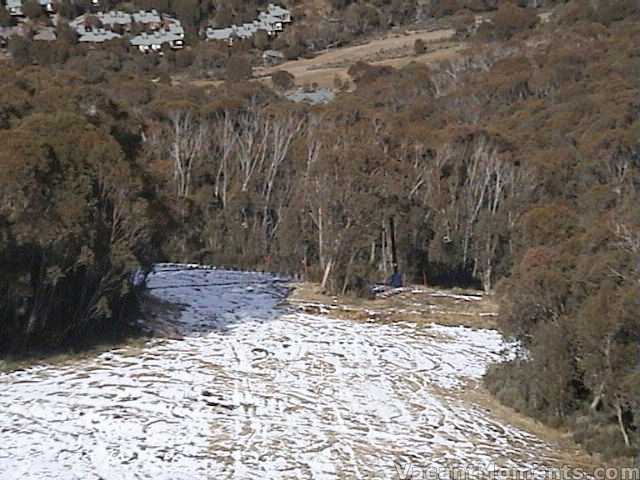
(255, 390)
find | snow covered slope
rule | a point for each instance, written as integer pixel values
(255, 391)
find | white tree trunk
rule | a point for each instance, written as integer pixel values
(327, 272)
(625, 435)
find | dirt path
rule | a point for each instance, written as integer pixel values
(394, 50)
(260, 390)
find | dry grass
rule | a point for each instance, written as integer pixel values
(394, 50)
(10, 364)
(567, 451)
(416, 304)
(158, 319)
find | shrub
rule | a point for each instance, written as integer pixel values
(261, 40)
(5, 18)
(238, 68)
(20, 50)
(283, 80)
(32, 9)
(510, 20)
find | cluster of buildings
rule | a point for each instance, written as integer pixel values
(150, 31)
(14, 7)
(156, 29)
(271, 22)
(39, 32)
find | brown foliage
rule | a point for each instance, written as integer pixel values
(515, 164)
(510, 19)
(283, 80)
(238, 67)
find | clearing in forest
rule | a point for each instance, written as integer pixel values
(256, 387)
(394, 49)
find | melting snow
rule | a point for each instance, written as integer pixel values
(258, 391)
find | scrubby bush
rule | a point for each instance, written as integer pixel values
(237, 68)
(283, 80)
(510, 19)
(32, 9)
(5, 18)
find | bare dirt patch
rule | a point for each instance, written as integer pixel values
(395, 50)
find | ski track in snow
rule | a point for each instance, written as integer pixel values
(256, 391)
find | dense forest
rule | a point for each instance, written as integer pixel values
(514, 167)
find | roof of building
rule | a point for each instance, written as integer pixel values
(262, 25)
(272, 54)
(155, 38)
(115, 17)
(250, 27)
(267, 21)
(146, 16)
(45, 34)
(98, 35)
(173, 26)
(219, 33)
(278, 11)
(18, 3)
(6, 32)
(80, 22)
(242, 32)
(322, 95)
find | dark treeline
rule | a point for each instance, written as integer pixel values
(514, 167)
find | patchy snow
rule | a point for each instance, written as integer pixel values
(466, 298)
(258, 391)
